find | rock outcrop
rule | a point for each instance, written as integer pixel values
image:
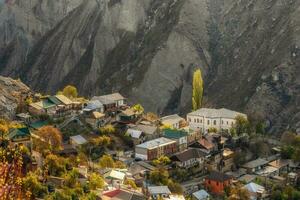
(248, 51)
(12, 93)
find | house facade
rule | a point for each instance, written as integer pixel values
(206, 118)
(20, 136)
(174, 121)
(216, 182)
(189, 158)
(180, 136)
(111, 101)
(155, 148)
(54, 106)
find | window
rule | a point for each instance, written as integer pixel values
(217, 183)
(197, 120)
(190, 119)
(222, 122)
(207, 122)
(231, 123)
(227, 122)
(215, 122)
(201, 121)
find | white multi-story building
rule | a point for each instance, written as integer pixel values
(206, 118)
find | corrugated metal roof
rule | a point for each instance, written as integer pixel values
(216, 113)
(154, 190)
(134, 133)
(64, 99)
(78, 139)
(171, 119)
(174, 134)
(109, 99)
(201, 195)
(155, 143)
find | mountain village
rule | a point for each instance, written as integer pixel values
(66, 147)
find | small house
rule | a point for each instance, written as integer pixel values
(156, 192)
(42, 107)
(153, 149)
(281, 165)
(93, 106)
(216, 182)
(256, 191)
(95, 119)
(149, 132)
(127, 116)
(174, 121)
(227, 162)
(255, 165)
(122, 194)
(203, 143)
(20, 136)
(136, 135)
(111, 101)
(189, 158)
(180, 136)
(115, 178)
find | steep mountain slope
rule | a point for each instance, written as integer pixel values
(12, 92)
(22, 24)
(248, 51)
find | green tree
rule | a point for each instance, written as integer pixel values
(241, 125)
(71, 179)
(260, 128)
(55, 165)
(70, 91)
(175, 187)
(212, 130)
(197, 89)
(31, 185)
(159, 176)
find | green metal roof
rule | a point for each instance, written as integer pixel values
(19, 133)
(174, 134)
(55, 100)
(47, 103)
(39, 124)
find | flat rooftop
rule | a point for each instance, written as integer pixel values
(155, 143)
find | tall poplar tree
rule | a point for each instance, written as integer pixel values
(197, 89)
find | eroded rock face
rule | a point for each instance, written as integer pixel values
(248, 51)
(12, 92)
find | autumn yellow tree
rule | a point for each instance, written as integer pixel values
(197, 90)
(138, 108)
(3, 130)
(130, 183)
(69, 91)
(106, 161)
(239, 193)
(47, 139)
(96, 181)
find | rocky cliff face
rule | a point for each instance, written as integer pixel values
(248, 51)
(12, 92)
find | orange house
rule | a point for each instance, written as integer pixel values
(216, 182)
